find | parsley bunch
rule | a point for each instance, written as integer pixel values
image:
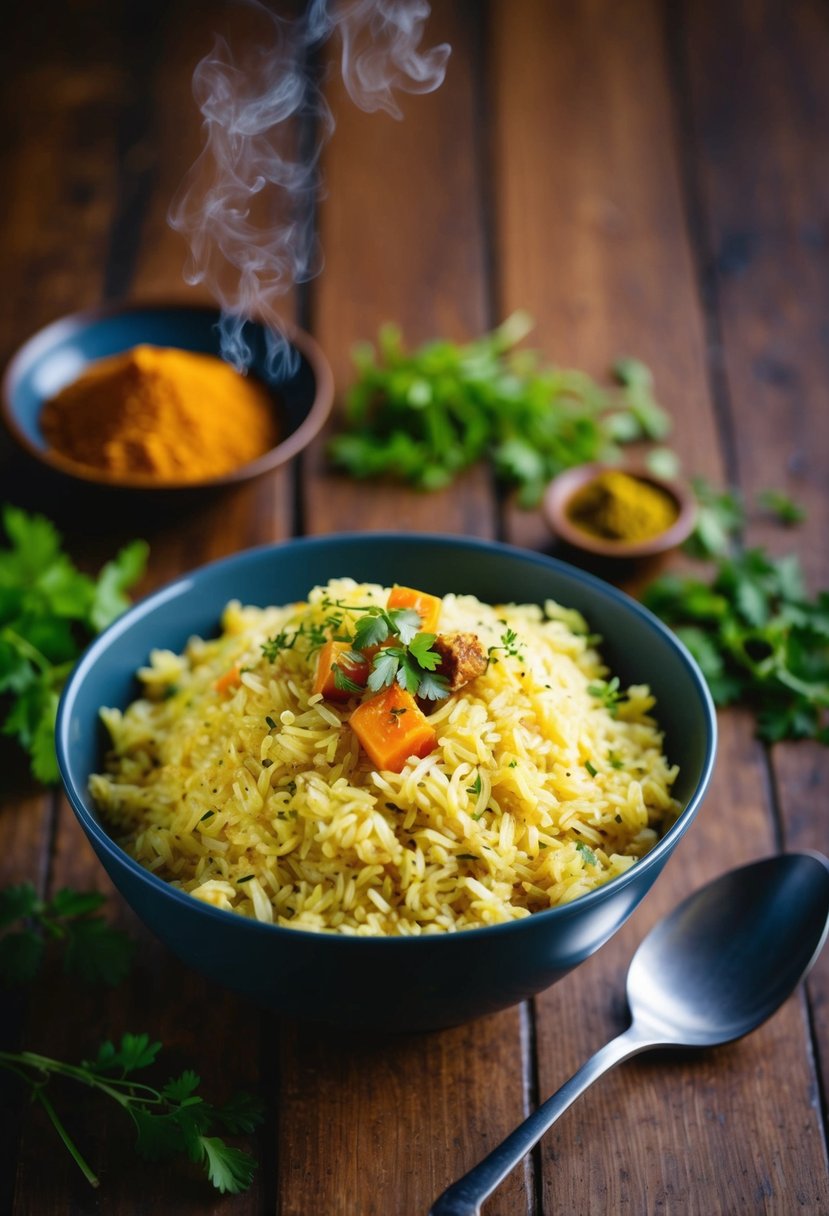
(28, 924)
(49, 610)
(171, 1121)
(423, 417)
(759, 638)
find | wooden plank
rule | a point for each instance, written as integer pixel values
(161, 996)
(759, 151)
(402, 236)
(593, 240)
(54, 215)
(589, 215)
(392, 1123)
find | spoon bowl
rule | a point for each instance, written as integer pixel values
(710, 972)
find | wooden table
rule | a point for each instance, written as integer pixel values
(645, 179)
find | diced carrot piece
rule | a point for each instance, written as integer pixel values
(339, 655)
(428, 606)
(231, 679)
(391, 728)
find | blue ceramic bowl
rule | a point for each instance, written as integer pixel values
(389, 983)
(58, 354)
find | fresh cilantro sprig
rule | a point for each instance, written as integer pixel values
(401, 652)
(49, 610)
(424, 416)
(411, 662)
(91, 948)
(758, 637)
(172, 1121)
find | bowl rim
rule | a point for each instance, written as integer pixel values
(103, 842)
(71, 323)
(562, 488)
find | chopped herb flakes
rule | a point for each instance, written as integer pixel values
(587, 853)
(592, 770)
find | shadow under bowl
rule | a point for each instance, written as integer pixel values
(300, 384)
(390, 983)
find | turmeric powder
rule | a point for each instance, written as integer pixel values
(160, 413)
(616, 506)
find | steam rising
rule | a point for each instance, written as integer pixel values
(247, 205)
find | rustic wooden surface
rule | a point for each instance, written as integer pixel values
(644, 178)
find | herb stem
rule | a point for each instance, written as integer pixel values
(74, 1152)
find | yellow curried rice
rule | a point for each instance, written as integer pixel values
(258, 799)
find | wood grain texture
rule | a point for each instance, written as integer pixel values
(760, 145)
(402, 232)
(645, 179)
(593, 238)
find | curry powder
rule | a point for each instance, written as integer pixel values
(165, 414)
(617, 506)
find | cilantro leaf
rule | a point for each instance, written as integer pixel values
(17, 902)
(229, 1169)
(179, 1088)
(432, 687)
(114, 580)
(371, 630)
(786, 510)
(384, 668)
(424, 416)
(420, 647)
(241, 1113)
(49, 610)
(757, 636)
(406, 623)
(91, 949)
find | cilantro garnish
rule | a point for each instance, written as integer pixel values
(49, 610)
(424, 416)
(509, 645)
(592, 770)
(608, 693)
(586, 852)
(171, 1121)
(28, 925)
(758, 637)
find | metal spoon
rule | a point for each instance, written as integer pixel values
(710, 972)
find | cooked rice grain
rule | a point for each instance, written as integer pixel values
(536, 794)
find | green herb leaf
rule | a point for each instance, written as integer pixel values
(423, 417)
(757, 636)
(49, 610)
(229, 1169)
(587, 853)
(371, 630)
(786, 510)
(91, 948)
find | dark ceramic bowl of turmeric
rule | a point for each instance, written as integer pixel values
(137, 398)
(612, 511)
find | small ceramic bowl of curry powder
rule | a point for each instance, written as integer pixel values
(136, 397)
(616, 512)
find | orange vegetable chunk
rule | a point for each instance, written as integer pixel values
(338, 654)
(231, 679)
(391, 728)
(428, 606)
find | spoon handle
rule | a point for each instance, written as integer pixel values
(464, 1197)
